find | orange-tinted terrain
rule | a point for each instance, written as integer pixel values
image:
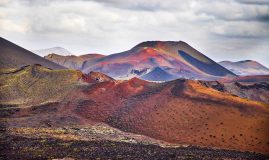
(177, 112)
(48, 113)
(182, 112)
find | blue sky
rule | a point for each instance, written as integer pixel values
(221, 29)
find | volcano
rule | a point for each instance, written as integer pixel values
(185, 61)
(180, 60)
(48, 113)
(176, 112)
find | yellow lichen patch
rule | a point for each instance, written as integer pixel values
(37, 84)
(7, 70)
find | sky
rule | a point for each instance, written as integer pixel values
(221, 29)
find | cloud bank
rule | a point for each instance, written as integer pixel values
(223, 30)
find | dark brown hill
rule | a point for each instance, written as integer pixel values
(14, 56)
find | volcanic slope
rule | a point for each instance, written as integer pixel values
(180, 57)
(158, 74)
(178, 112)
(14, 56)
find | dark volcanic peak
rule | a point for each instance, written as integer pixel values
(13, 56)
(158, 74)
(178, 55)
(183, 51)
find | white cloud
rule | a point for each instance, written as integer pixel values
(232, 10)
(8, 25)
(241, 29)
(3, 2)
(116, 25)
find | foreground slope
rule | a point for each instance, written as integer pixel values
(245, 68)
(177, 112)
(182, 112)
(13, 56)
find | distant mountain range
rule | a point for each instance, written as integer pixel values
(151, 60)
(177, 59)
(245, 68)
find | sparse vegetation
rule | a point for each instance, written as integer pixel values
(194, 116)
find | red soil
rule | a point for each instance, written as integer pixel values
(181, 111)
